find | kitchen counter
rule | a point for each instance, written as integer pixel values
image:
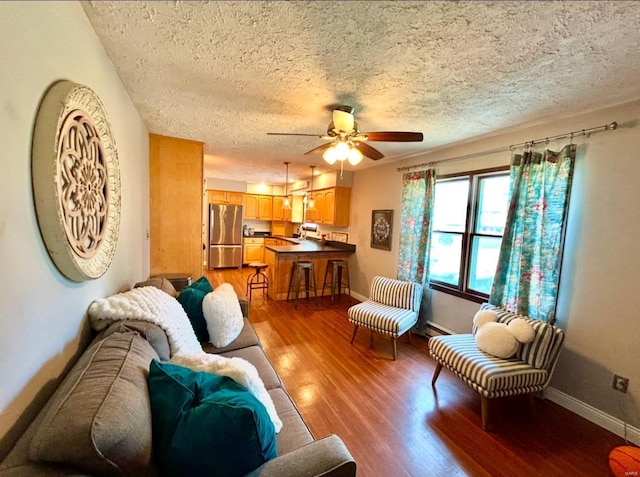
(280, 259)
(268, 235)
(311, 246)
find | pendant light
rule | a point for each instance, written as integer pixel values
(286, 204)
(311, 204)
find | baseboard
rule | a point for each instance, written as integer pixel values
(590, 413)
(358, 296)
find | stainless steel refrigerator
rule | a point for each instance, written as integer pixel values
(225, 236)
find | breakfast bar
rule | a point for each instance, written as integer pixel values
(281, 257)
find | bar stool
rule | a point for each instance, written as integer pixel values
(298, 270)
(337, 276)
(258, 280)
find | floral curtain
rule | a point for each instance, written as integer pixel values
(528, 272)
(418, 190)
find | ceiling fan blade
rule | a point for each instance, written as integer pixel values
(369, 151)
(295, 134)
(342, 121)
(322, 148)
(394, 136)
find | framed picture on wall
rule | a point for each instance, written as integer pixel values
(381, 228)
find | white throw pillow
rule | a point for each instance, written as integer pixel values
(223, 315)
(497, 340)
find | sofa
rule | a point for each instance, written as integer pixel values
(98, 421)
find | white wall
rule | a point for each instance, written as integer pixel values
(43, 314)
(598, 305)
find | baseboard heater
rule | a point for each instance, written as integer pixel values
(439, 329)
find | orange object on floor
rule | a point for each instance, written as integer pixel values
(624, 461)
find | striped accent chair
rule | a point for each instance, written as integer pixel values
(528, 371)
(392, 309)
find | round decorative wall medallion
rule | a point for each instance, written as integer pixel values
(76, 181)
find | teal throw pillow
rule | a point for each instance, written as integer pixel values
(206, 425)
(191, 298)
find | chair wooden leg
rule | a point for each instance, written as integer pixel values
(409, 336)
(484, 406)
(355, 330)
(436, 373)
(394, 349)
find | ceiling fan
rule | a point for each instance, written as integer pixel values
(348, 143)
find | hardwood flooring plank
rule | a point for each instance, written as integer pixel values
(392, 420)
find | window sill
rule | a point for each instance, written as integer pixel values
(460, 294)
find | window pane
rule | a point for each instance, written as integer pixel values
(484, 259)
(444, 261)
(493, 200)
(450, 206)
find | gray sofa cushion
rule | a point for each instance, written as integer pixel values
(247, 337)
(151, 332)
(256, 356)
(99, 419)
(294, 433)
(159, 282)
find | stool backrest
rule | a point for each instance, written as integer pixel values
(398, 293)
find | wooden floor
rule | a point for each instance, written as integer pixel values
(391, 419)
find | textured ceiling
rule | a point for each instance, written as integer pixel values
(226, 73)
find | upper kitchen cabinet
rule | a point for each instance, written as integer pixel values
(293, 214)
(224, 197)
(279, 213)
(175, 186)
(258, 207)
(332, 206)
(265, 207)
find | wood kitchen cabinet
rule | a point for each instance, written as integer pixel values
(278, 212)
(293, 214)
(315, 214)
(253, 249)
(265, 207)
(258, 207)
(332, 207)
(281, 229)
(225, 197)
(250, 209)
(276, 241)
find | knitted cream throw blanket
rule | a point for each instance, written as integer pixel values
(153, 305)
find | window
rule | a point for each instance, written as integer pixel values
(470, 211)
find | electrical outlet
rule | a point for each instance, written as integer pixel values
(620, 384)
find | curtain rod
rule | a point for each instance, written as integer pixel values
(572, 134)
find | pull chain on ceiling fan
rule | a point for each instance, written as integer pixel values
(347, 143)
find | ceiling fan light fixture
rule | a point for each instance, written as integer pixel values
(330, 155)
(342, 151)
(343, 134)
(354, 157)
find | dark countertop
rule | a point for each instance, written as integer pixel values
(312, 246)
(280, 237)
(268, 235)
